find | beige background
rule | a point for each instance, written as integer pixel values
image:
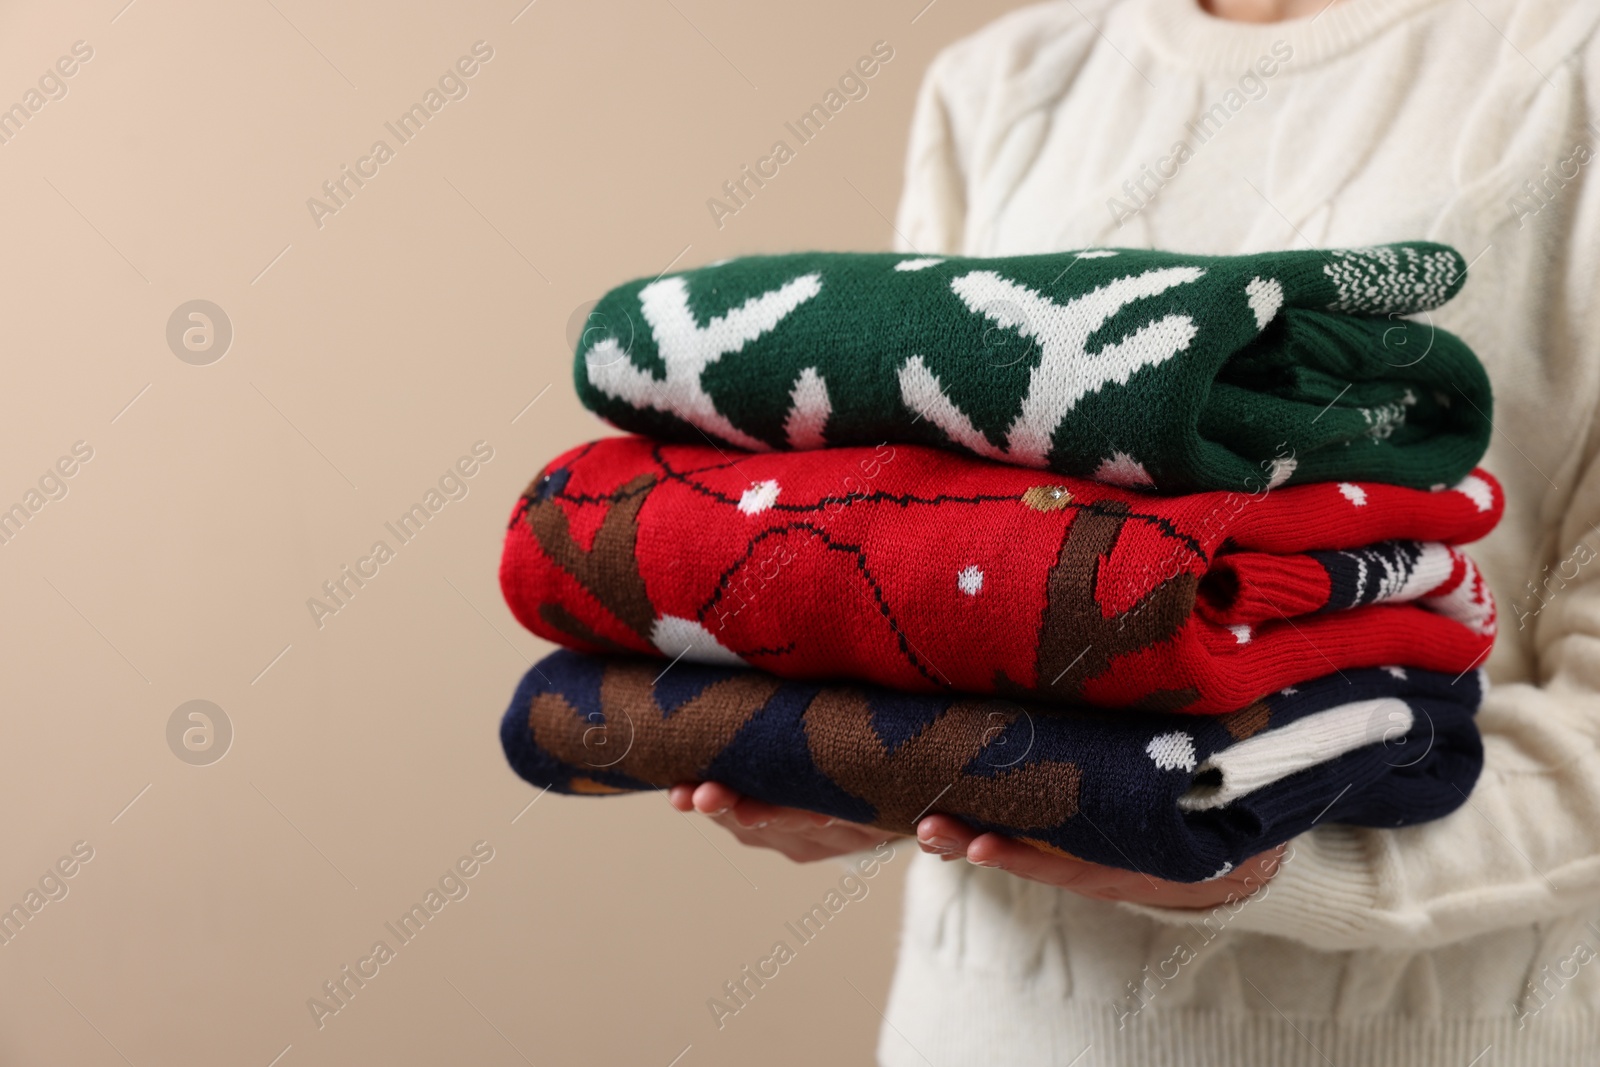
(368, 355)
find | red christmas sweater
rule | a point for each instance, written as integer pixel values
(927, 571)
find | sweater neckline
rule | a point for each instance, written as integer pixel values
(1191, 37)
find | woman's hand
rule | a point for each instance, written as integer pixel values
(942, 835)
(803, 836)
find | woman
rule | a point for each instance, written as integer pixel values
(1251, 125)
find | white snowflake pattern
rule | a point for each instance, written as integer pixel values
(1390, 279)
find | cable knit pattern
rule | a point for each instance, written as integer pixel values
(1149, 124)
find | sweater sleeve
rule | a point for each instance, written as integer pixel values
(1525, 845)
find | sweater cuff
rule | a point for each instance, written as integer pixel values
(1324, 894)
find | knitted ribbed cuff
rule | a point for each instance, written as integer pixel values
(1325, 894)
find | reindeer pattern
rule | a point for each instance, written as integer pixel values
(908, 568)
(1102, 785)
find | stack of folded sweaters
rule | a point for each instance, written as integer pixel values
(1146, 558)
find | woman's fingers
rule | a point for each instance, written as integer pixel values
(941, 835)
(1113, 883)
(802, 836)
(804, 845)
(949, 838)
(1025, 861)
(714, 798)
(1086, 878)
(758, 815)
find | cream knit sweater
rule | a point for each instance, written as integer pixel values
(1147, 123)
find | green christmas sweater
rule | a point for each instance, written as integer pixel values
(1140, 368)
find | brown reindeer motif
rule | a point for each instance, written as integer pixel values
(925, 773)
(655, 748)
(1077, 642)
(608, 569)
(1247, 721)
(928, 772)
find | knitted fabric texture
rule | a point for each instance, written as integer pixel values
(1138, 368)
(1107, 787)
(926, 572)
